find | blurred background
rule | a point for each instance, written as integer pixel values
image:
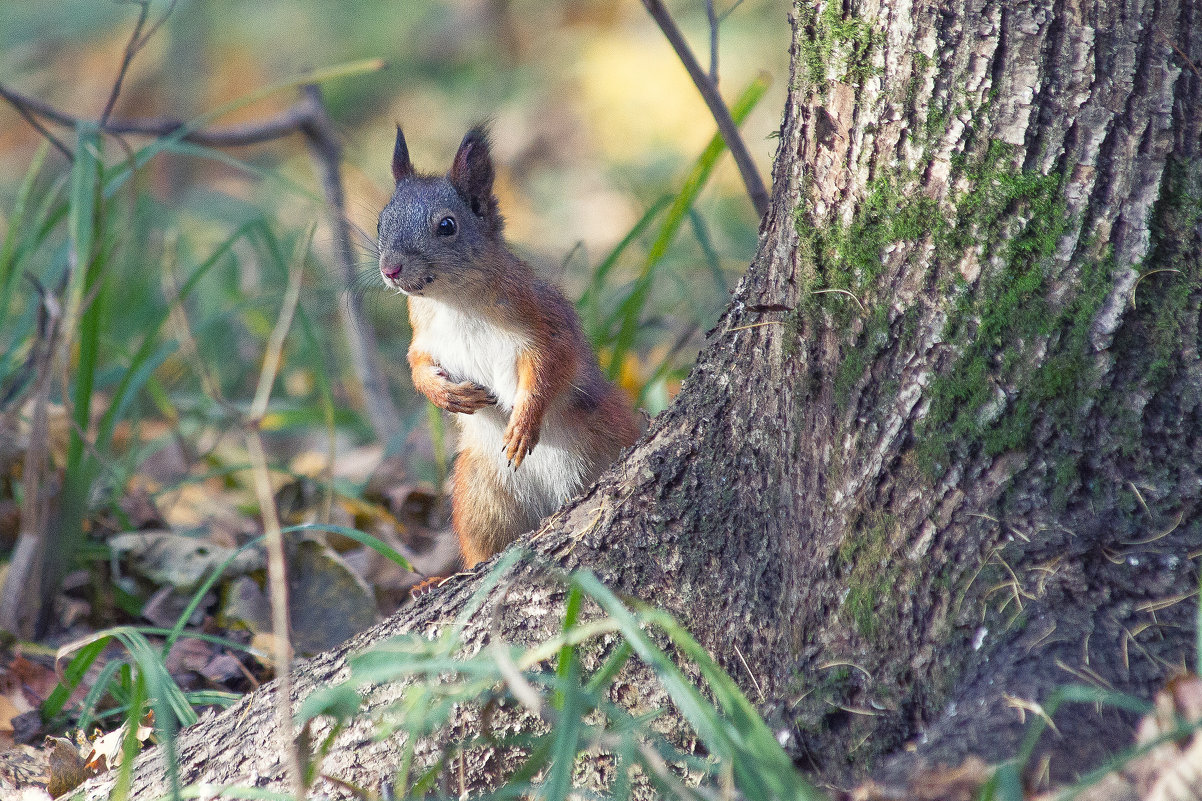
(595, 122)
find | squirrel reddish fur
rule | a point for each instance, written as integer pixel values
(500, 348)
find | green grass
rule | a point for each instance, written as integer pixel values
(616, 334)
(568, 709)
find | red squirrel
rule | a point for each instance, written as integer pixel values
(500, 348)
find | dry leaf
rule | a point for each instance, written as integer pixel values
(188, 653)
(223, 668)
(107, 752)
(1171, 771)
(67, 767)
(36, 680)
(330, 603)
(938, 783)
(176, 560)
(8, 711)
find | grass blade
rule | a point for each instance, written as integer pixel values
(16, 224)
(82, 205)
(566, 742)
(361, 537)
(761, 768)
(630, 313)
(72, 675)
(95, 693)
(589, 304)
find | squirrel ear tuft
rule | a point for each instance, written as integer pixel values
(402, 167)
(472, 172)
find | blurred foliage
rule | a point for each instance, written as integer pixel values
(180, 252)
(594, 119)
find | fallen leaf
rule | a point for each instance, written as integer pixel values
(1171, 771)
(8, 711)
(35, 680)
(167, 558)
(245, 606)
(330, 603)
(188, 653)
(108, 749)
(67, 767)
(223, 668)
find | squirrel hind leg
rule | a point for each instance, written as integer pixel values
(485, 514)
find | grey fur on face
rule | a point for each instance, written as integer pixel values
(410, 238)
(434, 226)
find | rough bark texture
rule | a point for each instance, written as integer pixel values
(942, 453)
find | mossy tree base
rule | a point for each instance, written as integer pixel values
(943, 453)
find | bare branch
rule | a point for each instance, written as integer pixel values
(717, 106)
(283, 124)
(135, 44)
(712, 16)
(131, 49)
(18, 102)
(327, 151)
(167, 13)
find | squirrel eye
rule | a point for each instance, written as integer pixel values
(446, 226)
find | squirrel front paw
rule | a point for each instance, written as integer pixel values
(520, 438)
(463, 397)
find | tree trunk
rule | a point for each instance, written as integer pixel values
(942, 453)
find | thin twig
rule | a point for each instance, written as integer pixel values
(131, 49)
(1177, 49)
(167, 13)
(324, 145)
(137, 41)
(275, 345)
(17, 101)
(756, 325)
(841, 292)
(26, 577)
(712, 16)
(747, 667)
(715, 21)
(276, 566)
(717, 106)
(1144, 275)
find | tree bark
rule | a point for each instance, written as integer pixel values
(941, 455)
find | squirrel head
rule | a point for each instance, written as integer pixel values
(438, 234)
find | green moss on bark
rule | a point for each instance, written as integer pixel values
(993, 393)
(1173, 273)
(837, 47)
(1021, 355)
(872, 576)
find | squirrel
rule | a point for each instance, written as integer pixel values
(500, 348)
